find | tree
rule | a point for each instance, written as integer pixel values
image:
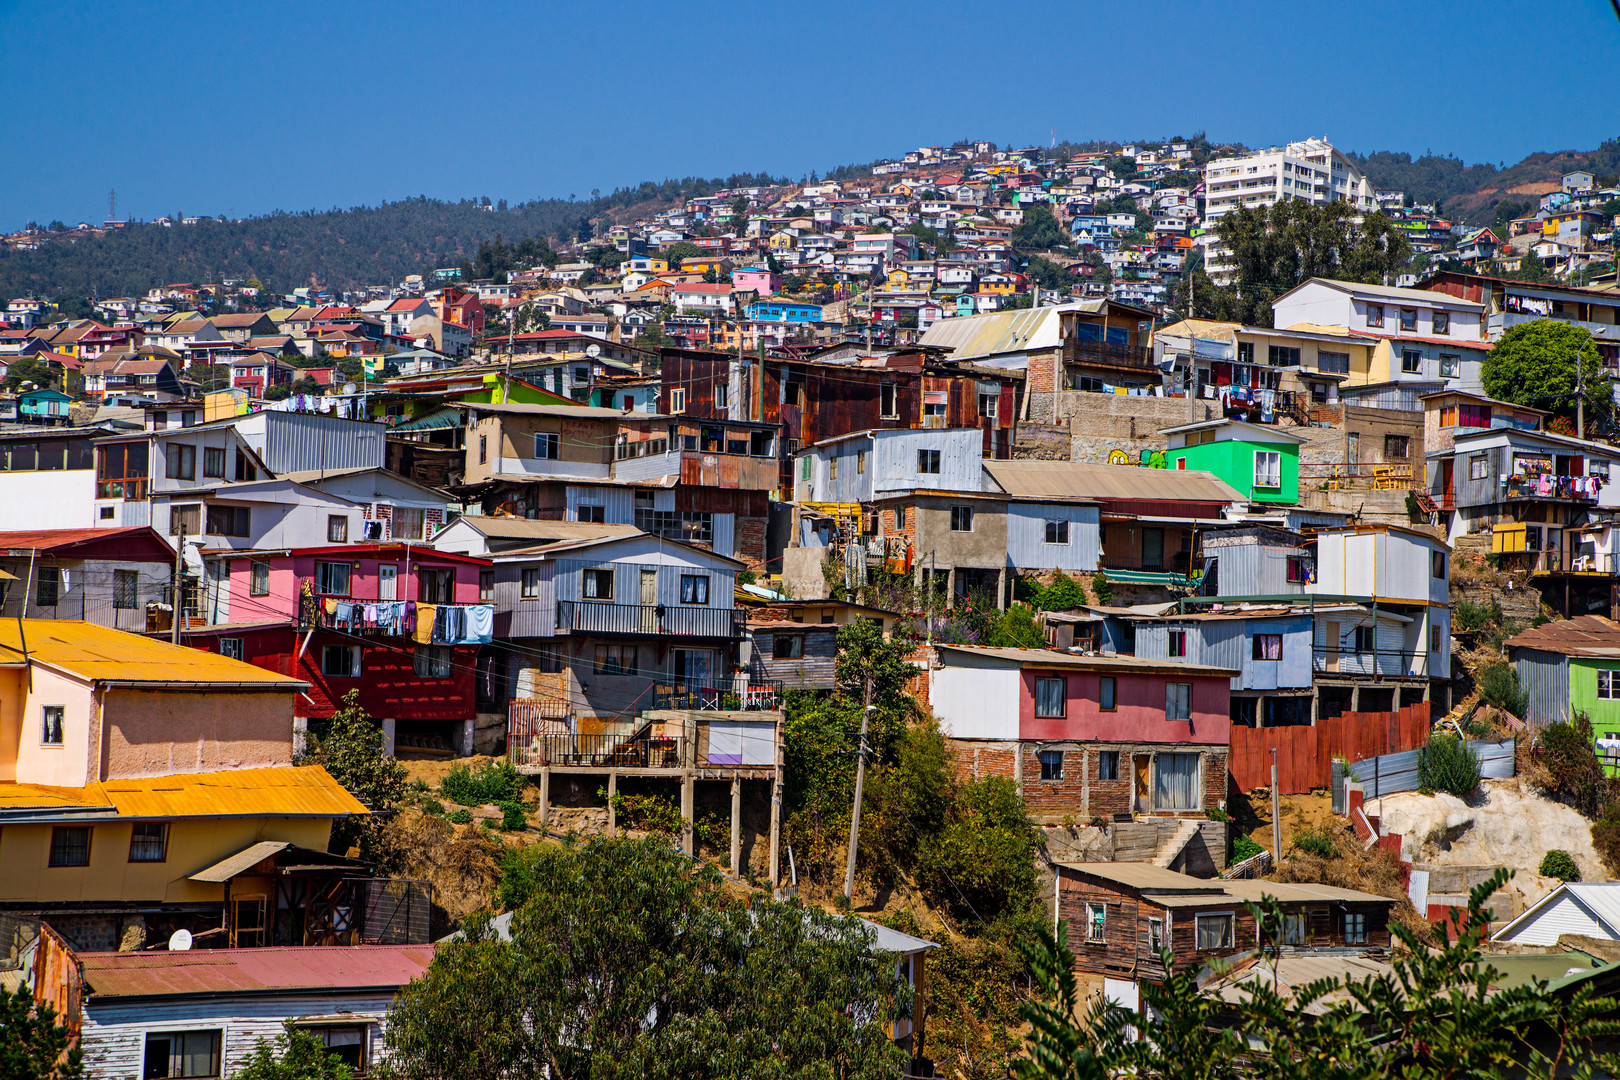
(30, 369)
(33, 1046)
(1039, 229)
(1048, 274)
(351, 748)
(679, 250)
(870, 668)
(1540, 364)
(295, 1055)
(1122, 166)
(1441, 1013)
(631, 961)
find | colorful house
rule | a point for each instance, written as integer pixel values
(1262, 463)
(1570, 668)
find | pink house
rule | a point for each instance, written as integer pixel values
(1087, 736)
(756, 278)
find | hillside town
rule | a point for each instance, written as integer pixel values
(715, 527)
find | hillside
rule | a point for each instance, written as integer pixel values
(1472, 192)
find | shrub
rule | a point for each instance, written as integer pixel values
(1449, 764)
(459, 817)
(1100, 588)
(1063, 594)
(1468, 615)
(1316, 842)
(983, 863)
(431, 806)
(1560, 865)
(1244, 848)
(513, 817)
(1606, 837)
(1499, 686)
(493, 782)
(1573, 772)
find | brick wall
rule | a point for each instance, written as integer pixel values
(1080, 791)
(749, 542)
(1100, 424)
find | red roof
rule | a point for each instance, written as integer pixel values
(554, 335)
(404, 305)
(704, 287)
(215, 971)
(417, 552)
(64, 541)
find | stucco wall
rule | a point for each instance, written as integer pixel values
(160, 732)
(65, 764)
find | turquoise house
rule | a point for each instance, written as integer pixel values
(1260, 462)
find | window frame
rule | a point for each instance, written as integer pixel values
(1043, 706)
(231, 648)
(699, 586)
(962, 519)
(1408, 320)
(432, 661)
(212, 454)
(1174, 693)
(1259, 644)
(547, 446)
(609, 659)
(794, 643)
(1358, 936)
(1608, 687)
(590, 583)
(258, 568)
(1375, 315)
(1175, 644)
(325, 570)
(1107, 694)
(1096, 922)
(1440, 323)
(162, 842)
(53, 722)
(47, 586)
(1227, 936)
(57, 853)
(337, 528)
(223, 519)
(1411, 361)
(1364, 632)
(1051, 762)
(126, 590)
(928, 462)
(1107, 765)
(351, 669)
(216, 1054)
(1057, 532)
(180, 461)
(1268, 456)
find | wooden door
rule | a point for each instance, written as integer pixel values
(1330, 633)
(649, 600)
(1143, 800)
(1152, 549)
(1446, 497)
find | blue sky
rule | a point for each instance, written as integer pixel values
(212, 108)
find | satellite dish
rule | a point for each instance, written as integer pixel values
(593, 351)
(349, 388)
(180, 941)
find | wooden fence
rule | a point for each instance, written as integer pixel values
(1305, 754)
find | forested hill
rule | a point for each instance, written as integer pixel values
(1473, 192)
(344, 248)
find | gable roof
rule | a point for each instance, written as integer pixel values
(132, 976)
(1585, 635)
(139, 543)
(1387, 292)
(1600, 899)
(997, 333)
(1071, 480)
(106, 655)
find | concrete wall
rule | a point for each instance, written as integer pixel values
(162, 732)
(1102, 423)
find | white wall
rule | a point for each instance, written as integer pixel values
(975, 702)
(49, 500)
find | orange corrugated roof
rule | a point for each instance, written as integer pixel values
(287, 791)
(97, 652)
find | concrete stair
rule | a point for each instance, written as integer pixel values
(1170, 848)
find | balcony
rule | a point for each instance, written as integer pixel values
(1108, 354)
(604, 617)
(1549, 488)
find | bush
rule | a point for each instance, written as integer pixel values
(1499, 686)
(1560, 865)
(1063, 594)
(493, 782)
(1100, 588)
(1449, 764)
(1467, 615)
(1244, 848)
(1606, 837)
(513, 817)
(431, 806)
(1573, 773)
(983, 863)
(459, 817)
(1316, 842)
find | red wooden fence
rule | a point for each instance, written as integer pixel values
(1305, 754)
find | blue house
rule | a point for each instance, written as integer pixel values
(1272, 647)
(43, 406)
(788, 311)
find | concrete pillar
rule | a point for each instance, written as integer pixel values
(1018, 766)
(776, 831)
(545, 797)
(613, 817)
(688, 797)
(736, 825)
(1355, 697)
(468, 730)
(389, 725)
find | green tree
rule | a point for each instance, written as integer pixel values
(29, 369)
(350, 747)
(981, 864)
(1122, 166)
(1016, 629)
(294, 1055)
(630, 962)
(33, 1046)
(1039, 229)
(1048, 274)
(1541, 363)
(870, 667)
(681, 249)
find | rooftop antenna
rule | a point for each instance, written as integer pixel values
(112, 204)
(1054, 138)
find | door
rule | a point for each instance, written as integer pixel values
(1143, 800)
(649, 601)
(1152, 549)
(1330, 635)
(387, 583)
(1446, 499)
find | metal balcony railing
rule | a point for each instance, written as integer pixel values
(604, 617)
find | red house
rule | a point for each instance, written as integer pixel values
(460, 306)
(401, 624)
(1088, 736)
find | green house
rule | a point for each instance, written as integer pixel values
(1260, 462)
(1570, 668)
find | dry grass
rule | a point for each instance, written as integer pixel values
(457, 861)
(1372, 870)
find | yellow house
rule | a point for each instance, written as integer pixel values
(147, 788)
(702, 264)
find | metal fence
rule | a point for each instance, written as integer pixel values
(1388, 774)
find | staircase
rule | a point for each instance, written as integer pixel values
(1170, 849)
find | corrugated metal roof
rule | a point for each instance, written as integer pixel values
(243, 860)
(997, 333)
(97, 652)
(287, 791)
(1051, 658)
(1084, 480)
(1285, 974)
(1584, 635)
(515, 528)
(1148, 876)
(224, 971)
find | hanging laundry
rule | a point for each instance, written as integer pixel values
(425, 615)
(329, 606)
(479, 625)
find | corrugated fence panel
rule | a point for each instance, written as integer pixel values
(1305, 754)
(1387, 774)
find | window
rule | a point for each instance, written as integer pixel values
(1434, 639)
(1212, 932)
(592, 512)
(246, 471)
(1156, 935)
(181, 1054)
(1364, 639)
(1608, 687)
(48, 589)
(759, 444)
(546, 446)
(1375, 314)
(1096, 921)
(1411, 361)
(1437, 565)
(214, 463)
(598, 584)
(126, 586)
(258, 578)
(1293, 928)
(1296, 571)
(1051, 764)
(615, 659)
(1178, 701)
(1108, 765)
(50, 725)
(486, 586)
(928, 461)
(1396, 447)
(1245, 352)
(407, 523)
(436, 585)
(483, 449)
(340, 661)
(694, 588)
(721, 395)
(1106, 690)
(1049, 695)
(1267, 647)
(1175, 643)
(1478, 467)
(332, 578)
(1283, 356)
(987, 405)
(1057, 532)
(890, 402)
(149, 841)
(1268, 469)
(1450, 365)
(231, 647)
(180, 462)
(787, 646)
(832, 469)
(70, 845)
(1355, 928)
(961, 519)
(238, 521)
(346, 1043)
(1335, 362)
(530, 589)
(337, 529)
(677, 399)
(1408, 320)
(433, 661)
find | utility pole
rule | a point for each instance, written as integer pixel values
(1276, 814)
(179, 586)
(860, 785)
(1580, 396)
